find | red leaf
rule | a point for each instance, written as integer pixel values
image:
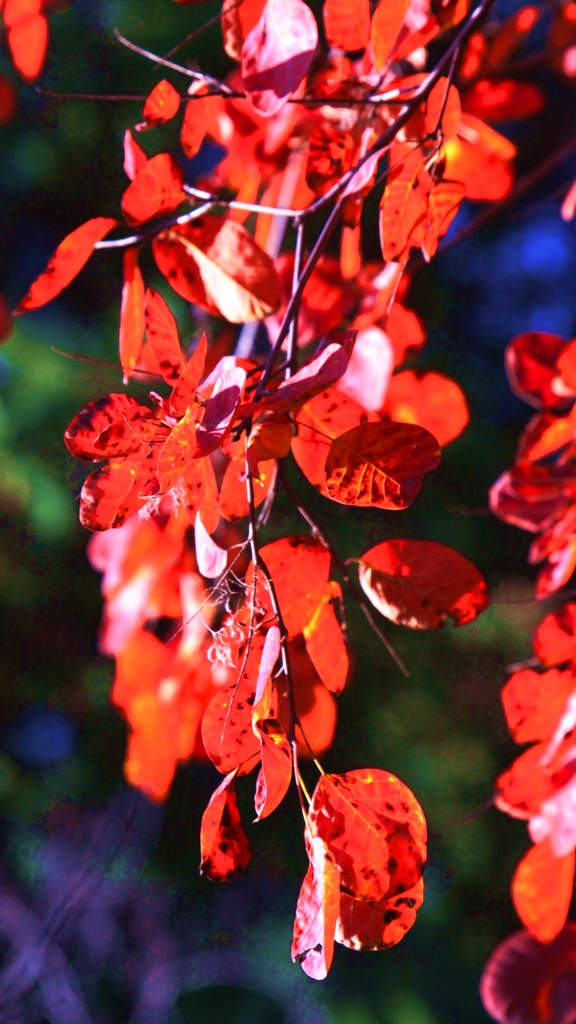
(521, 790)
(162, 335)
(531, 368)
(534, 702)
(375, 829)
(238, 19)
(219, 411)
(27, 36)
(555, 637)
(404, 206)
(347, 23)
(201, 492)
(224, 846)
(227, 724)
(275, 774)
(481, 158)
(134, 156)
(269, 439)
(319, 422)
(316, 911)
(386, 24)
(217, 265)
(233, 496)
(532, 497)
(380, 924)
(299, 567)
(419, 583)
(111, 494)
(325, 642)
(277, 54)
(112, 426)
(131, 313)
(380, 464)
(70, 256)
(177, 451)
(157, 188)
(430, 400)
(161, 105)
(330, 154)
(505, 100)
(184, 392)
(542, 890)
(524, 979)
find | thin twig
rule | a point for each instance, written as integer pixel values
(142, 236)
(292, 346)
(199, 76)
(235, 204)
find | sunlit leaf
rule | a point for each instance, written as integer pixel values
(325, 641)
(555, 637)
(156, 188)
(217, 265)
(380, 464)
(420, 583)
(542, 890)
(534, 702)
(238, 19)
(112, 426)
(430, 400)
(224, 846)
(299, 567)
(321, 420)
(316, 911)
(375, 829)
(70, 256)
(386, 23)
(161, 105)
(379, 924)
(162, 335)
(227, 724)
(184, 392)
(131, 313)
(277, 54)
(27, 36)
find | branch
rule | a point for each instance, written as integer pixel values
(143, 236)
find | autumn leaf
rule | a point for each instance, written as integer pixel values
(112, 426)
(176, 452)
(27, 31)
(217, 265)
(322, 419)
(269, 439)
(542, 889)
(131, 313)
(531, 361)
(134, 156)
(375, 830)
(227, 731)
(430, 400)
(161, 105)
(386, 24)
(420, 583)
(379, 924)
(347, 23)
(318, 373)
(380, 464)
(156, 188)
(534, 702)
(523, 977)
(299, 567)
(555, 637)
(112, 493)
(233, 495)
(162, 335)
(238, 19)
(219, 411)
(70, 256)
(325, 641)
(404, 207)
(184, 391)
(277, 54)
(211, 558)
(224, 846)
(316, 911)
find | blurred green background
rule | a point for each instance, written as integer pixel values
(441, 731)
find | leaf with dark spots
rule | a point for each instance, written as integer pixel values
(224, 846)
(112, 426)
(347, 812)
(377, 925)
(316, 911)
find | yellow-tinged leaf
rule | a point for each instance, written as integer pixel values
(542, 890)
(386, 24)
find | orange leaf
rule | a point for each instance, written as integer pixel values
(299, 567)
(157, 188)
(161, 105)
(201, 492)
(481, 159)
(217, 265)
(555, 638)
(111, 494)
(534, 702)
(347, 23)
(201, 116)
(542, 890)
(316, 911)
(233, 495)
(386, 24)
(275, 774)
(277, 54)
(162, 334)
(380, 924)
(176, 452)
(224, 846)
(325, 642)
(269, 439)
(330, 154)
(443, 205)
(184, 391)
(70, 256)
(380, 464)
(430, 400)
(419, 583)
(404, 207)
(320, 421)
(227, 731)
(131, 313)
(27, 36)
(375, 829)
(521, 790)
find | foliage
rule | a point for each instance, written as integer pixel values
(235, 650)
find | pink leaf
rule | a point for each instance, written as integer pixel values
(277, 54)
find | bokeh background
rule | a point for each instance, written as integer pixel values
(100, 896)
